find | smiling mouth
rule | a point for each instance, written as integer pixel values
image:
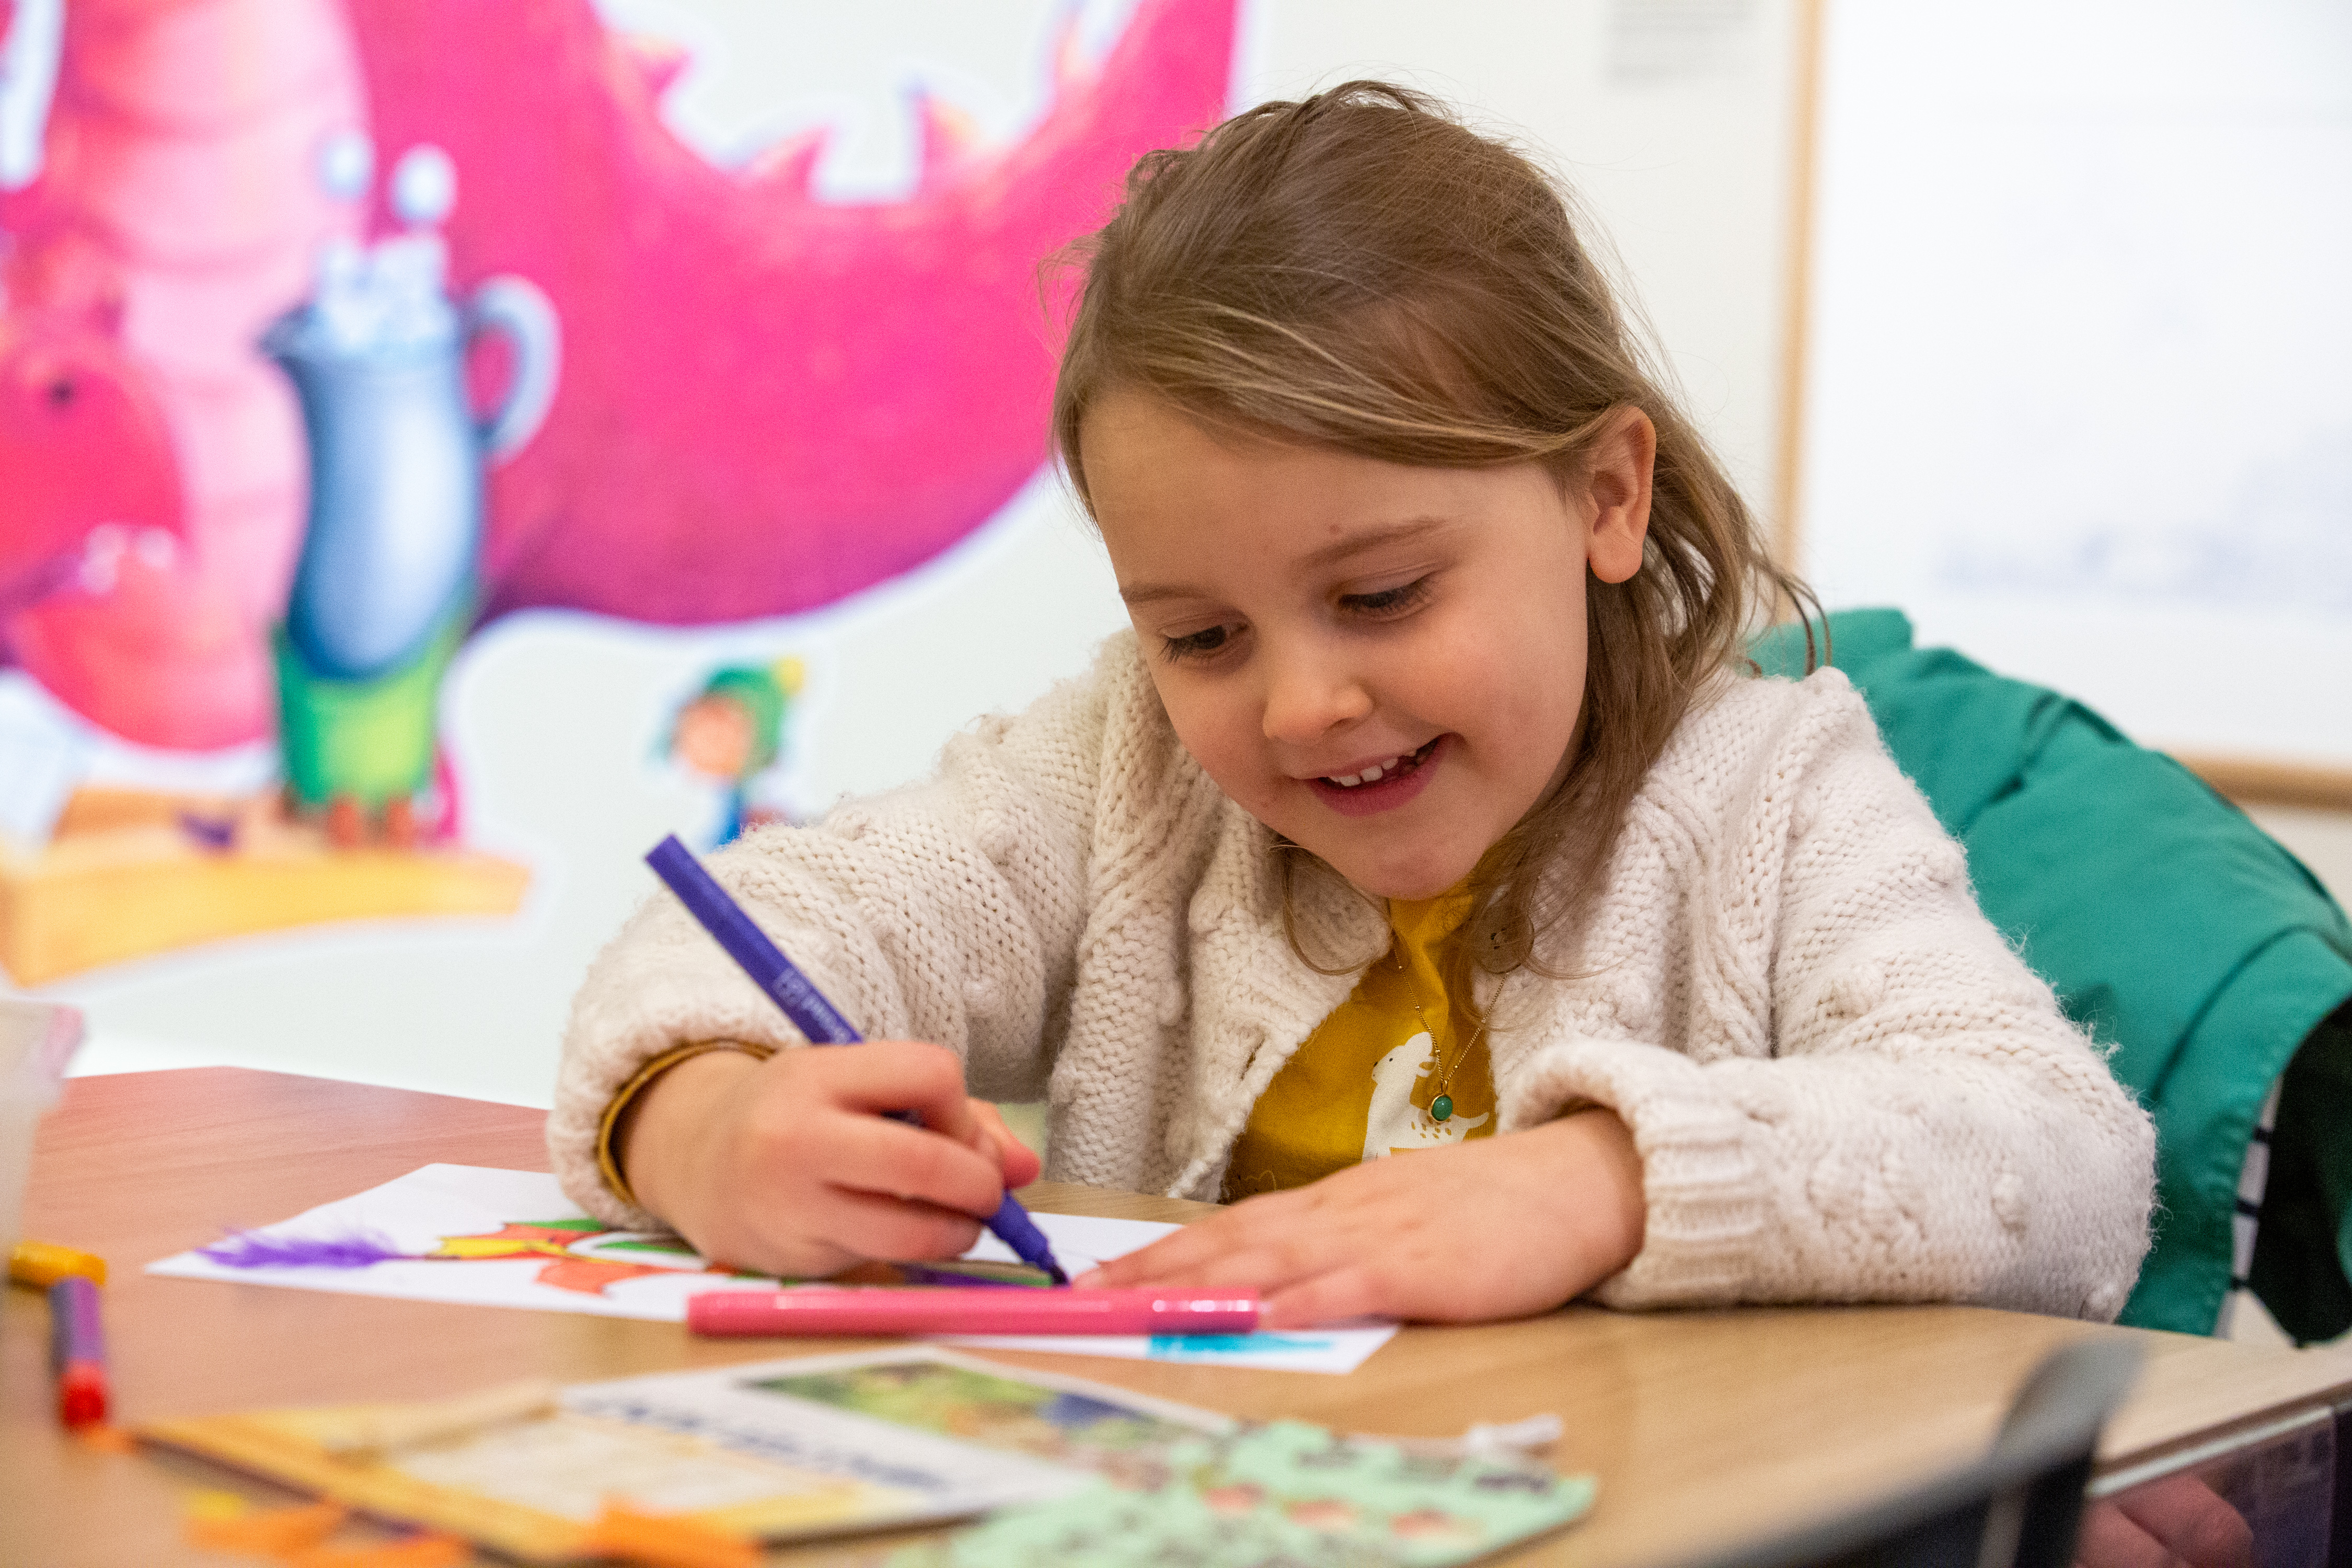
(1404, 762)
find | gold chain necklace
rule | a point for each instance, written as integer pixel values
(1441, 1108)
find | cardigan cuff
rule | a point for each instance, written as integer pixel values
(1700, 1186)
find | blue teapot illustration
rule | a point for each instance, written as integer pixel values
(384, 587)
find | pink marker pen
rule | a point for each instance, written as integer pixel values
(974, 1311)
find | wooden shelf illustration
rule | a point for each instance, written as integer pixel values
(124, 878)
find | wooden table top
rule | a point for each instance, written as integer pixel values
(1704, 1427)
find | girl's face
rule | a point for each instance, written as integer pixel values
(1382, 663)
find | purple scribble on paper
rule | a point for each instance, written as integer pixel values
(259, 1249)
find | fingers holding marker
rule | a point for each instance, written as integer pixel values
(823, 1114)
(868, 1225)
(899, 1078)
(836, 1181)
(894, 1159)
(880, 1077)
(911, 1078)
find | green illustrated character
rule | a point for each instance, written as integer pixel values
(732, 731)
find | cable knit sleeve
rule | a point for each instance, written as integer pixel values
(948, 910)
(1844, 1084)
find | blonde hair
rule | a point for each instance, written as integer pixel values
(1358, 270)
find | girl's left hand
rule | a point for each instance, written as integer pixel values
(1496, 1227)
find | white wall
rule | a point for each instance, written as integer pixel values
(2079, 401)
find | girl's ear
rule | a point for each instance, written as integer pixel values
(1618, 484)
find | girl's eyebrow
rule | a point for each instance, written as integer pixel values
(1151, 593)
(1402, 532)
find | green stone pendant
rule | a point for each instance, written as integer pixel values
(1442, 1108)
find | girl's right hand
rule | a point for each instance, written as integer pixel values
(787, 1165)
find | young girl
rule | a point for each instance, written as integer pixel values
(1430, 807)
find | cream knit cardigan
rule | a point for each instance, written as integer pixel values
(1842, 1083)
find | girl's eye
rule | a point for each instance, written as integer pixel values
(1195, 645)
(1394, 601)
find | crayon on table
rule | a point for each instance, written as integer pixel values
(42, 1264)
(806, 1006)
(813, 1311)
(77, 1351)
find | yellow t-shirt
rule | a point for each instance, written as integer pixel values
(1367, 1082)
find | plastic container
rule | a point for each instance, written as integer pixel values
(36, 1041)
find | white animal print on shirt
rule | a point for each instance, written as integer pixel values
(1395, 1123)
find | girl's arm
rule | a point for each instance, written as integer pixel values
(947, 911)
(1920, 1123)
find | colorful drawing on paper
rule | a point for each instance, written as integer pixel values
(448, 1233)
(573, 1250)
(309, 372)
(443, 1233)
(569, 1266)
(584, 1254)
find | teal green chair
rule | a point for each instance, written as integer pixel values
(2173, 928)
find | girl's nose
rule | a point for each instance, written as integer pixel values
(1307, 698)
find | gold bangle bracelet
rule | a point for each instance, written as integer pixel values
(608, 1161)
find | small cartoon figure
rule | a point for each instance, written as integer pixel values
(732, 731)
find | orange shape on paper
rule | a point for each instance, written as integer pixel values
(589, 1275)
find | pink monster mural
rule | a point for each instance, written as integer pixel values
(767, 402)
(84, 439)
(175, 187)
(716, 397)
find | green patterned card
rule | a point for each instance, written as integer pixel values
(1281, 1494)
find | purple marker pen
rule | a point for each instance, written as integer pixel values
(815, 1017)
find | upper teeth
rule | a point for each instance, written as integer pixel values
(1350, 781)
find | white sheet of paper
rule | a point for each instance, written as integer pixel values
(416, 1212)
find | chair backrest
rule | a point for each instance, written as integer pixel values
(2018, 1506)
(2190, 943)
